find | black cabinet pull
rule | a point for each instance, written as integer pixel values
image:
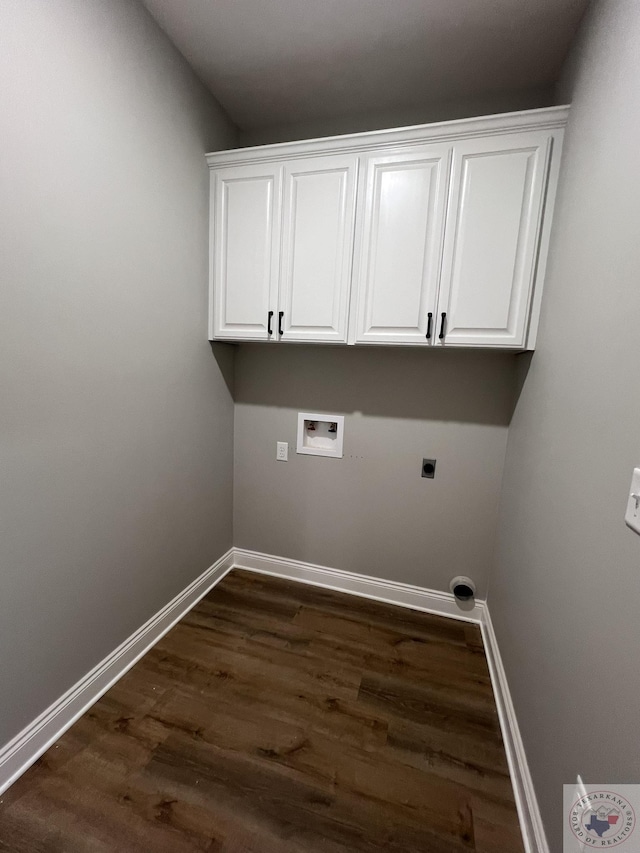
(444, 317)
(280, 316)
(270, 318)
(430, 317)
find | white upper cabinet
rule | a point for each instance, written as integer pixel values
(245, 249)
(317, 248)
(425, 236)
(492, 235)
(400, 243)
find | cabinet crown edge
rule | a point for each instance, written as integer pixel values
(546, 118)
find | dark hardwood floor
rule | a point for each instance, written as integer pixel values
(280, 717)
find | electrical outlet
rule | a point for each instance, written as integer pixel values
(282, 451)
(429, 468)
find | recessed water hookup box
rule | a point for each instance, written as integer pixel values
(320, 435)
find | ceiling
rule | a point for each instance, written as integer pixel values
(274, 62)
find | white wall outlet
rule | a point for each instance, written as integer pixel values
(632, 515)
(282, 451)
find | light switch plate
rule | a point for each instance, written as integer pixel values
(632, 515)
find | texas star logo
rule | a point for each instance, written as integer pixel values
(602, 819)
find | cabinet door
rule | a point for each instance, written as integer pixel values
(317, 247)
(246, 209)
(400, 245)
(491, 240)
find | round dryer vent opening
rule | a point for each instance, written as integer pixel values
(463, 588)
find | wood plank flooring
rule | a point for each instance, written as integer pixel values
(281, 718)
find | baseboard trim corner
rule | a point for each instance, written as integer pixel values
(534, 837)
(389, 592)
(21, 752)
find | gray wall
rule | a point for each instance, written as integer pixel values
(565, 596)
(497, 102)
(371, 512)
(115, 419)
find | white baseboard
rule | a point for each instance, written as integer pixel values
(389, 592)
(535, 840)
(20, 753)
